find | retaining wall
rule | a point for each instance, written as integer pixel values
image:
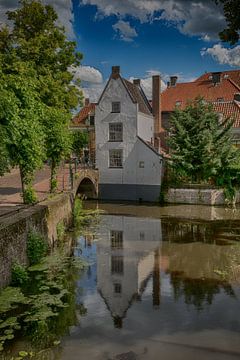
(15, 226)
(197, 196)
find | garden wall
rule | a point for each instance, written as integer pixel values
(197, 196)
(15, 226)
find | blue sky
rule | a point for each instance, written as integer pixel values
(144, 37)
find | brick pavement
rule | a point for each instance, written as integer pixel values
(10, 187)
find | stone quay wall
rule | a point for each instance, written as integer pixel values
(197, 196)
(15, 226)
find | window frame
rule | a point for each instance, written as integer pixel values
(115, 135)
(116, 110)
(111, 165)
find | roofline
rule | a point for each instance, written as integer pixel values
(149, 146)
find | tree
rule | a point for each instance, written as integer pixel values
(36, 39)
(58, 140)
(79, 142)
(200, 143)
(21, 131)
(231, 10)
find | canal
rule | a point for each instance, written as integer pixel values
(160, 283)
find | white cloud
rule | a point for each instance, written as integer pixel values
(86, 74)
(64, 9)
(125, 31)
(224, 55)
(199, 17)
(92, 83)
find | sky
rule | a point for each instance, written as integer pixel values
(144, 37)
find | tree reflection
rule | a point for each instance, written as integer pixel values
(198, 292)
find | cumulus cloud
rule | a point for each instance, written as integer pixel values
(125, 31)
(87, 74)
(228, 56)
(92, 83)
(63, 8)
(199, 17)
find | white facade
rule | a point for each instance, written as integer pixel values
(141, 240)
(139, 177)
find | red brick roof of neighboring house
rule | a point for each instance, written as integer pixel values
(229, 109)
(234, 75)
(79, 119)
(182, 93)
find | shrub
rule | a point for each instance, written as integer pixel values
(36, 247)
(19, 275)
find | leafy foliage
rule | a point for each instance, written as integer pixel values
(37, 92)
(36, 247)
(201, 144)
(79, 142)
(231, 10)
(19, 275)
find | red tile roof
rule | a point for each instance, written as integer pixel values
(79, 120)
(234, 75)
(230, 109)
(182, 93)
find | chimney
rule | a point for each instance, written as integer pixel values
(115, 71)
(156, 92)
(87, 101)
(137, 82)
(237, 97)
(173, 80)
(216, 77)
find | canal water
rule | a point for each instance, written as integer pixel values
(161, 283)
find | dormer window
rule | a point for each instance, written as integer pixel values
(178, 103)
(116, 107)
(220, 99)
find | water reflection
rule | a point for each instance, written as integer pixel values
(127, 253)
(158, 286)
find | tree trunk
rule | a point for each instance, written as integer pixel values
(22, 182)
(53, 179)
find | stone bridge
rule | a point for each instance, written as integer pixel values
(86, 183)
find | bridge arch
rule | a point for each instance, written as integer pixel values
(86, 183)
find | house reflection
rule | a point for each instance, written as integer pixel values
(128, 255)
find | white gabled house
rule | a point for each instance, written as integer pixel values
(130, 168)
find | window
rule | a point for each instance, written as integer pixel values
(117, 288)
(141, 164)
(142, 236)
(117, 264)
(178, 103)
(116, 107)
(116, 132)
(115, 158)
(220, 99)
(116, 239)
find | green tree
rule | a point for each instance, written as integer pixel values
(231, 10)
(200, 143)
(79, 142)
(58, 140)
(37, 39)
(22, 132)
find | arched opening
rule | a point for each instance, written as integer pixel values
(87, 188)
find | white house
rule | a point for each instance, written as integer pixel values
(130, 168)
(128, 256)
